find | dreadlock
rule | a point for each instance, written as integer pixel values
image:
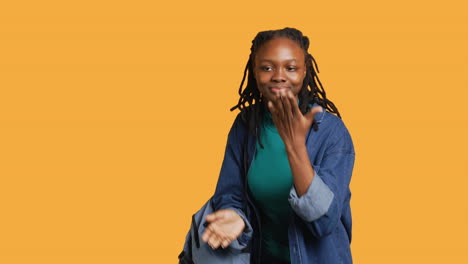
(251, 101)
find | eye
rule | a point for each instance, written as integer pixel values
(291, 68)
(267, 68)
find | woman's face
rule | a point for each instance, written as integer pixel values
(279, 65)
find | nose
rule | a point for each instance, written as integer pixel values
(278, 76)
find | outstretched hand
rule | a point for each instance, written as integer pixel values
(225, 226)
(291, 124)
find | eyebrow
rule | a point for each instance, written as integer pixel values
(274, 61)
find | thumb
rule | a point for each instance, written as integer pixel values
(214, 216)
(311, 114)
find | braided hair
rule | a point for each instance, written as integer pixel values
(251, 103)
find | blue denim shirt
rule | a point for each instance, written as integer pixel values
(319, 229)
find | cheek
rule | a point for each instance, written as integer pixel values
(297, 79)
(262, 83)
(262, 79)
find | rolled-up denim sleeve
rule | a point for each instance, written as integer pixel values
(242, 241)
(321, 206)
(315, 202)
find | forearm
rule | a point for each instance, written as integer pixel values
(301, 167)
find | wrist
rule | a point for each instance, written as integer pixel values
(296, 148)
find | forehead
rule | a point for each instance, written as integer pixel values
(280, 49)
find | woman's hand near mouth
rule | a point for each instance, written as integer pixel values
(291, 124)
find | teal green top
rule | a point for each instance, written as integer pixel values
(270, 181)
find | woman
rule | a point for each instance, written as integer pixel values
(288, 162)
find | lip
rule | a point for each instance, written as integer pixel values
(276, 89)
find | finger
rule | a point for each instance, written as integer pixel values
(287, 115)
(295, 108)
(214, 242)
(276, 116)
(279, 108)
(215, 216)
(274, 110)
(207, 234)
(287, 108)
(210, 231)
(275, 102)
(271, 107)
(225, 243)
(211, 217)
(212, 234)
(311, 114)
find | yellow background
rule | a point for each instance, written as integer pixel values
(114, 117)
